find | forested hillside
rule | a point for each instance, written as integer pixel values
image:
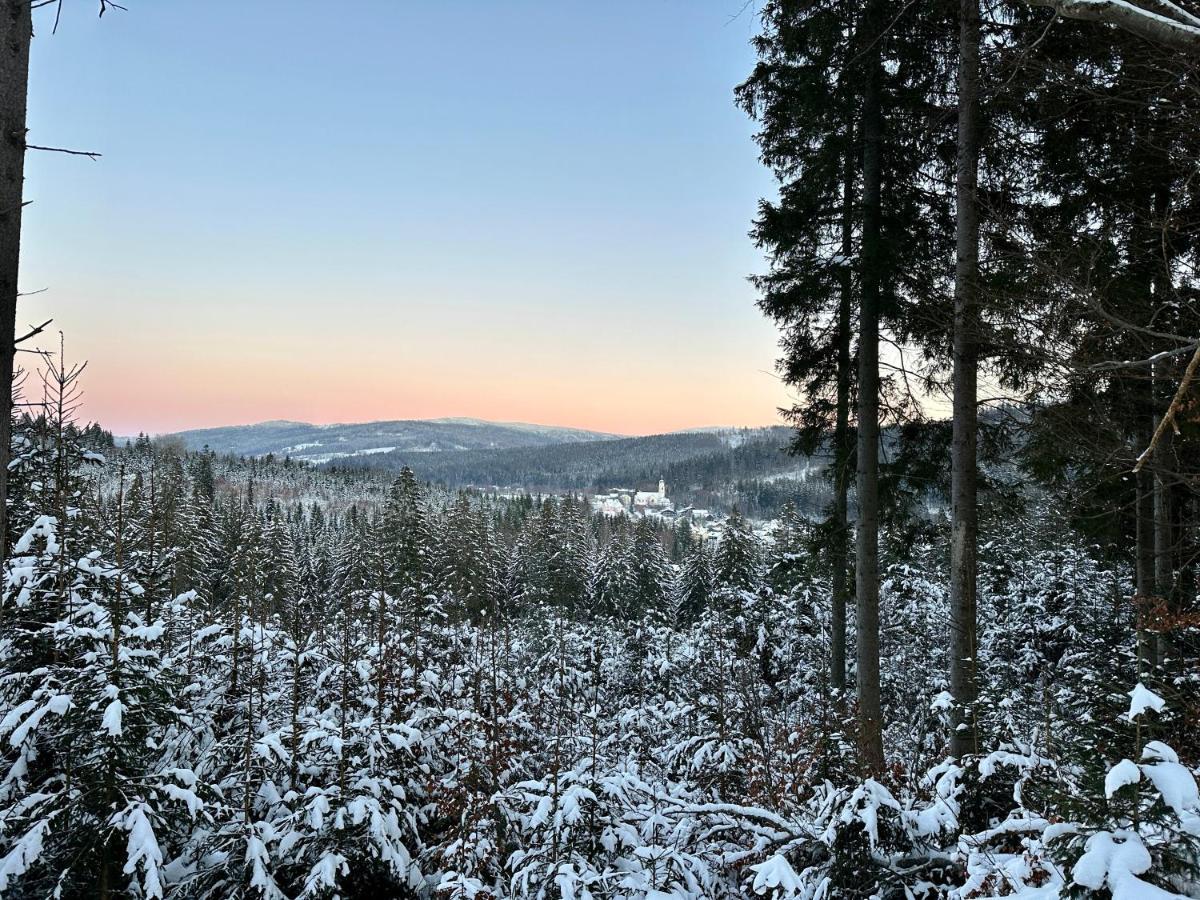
(322, 443)
(717, 469)
(689, 458)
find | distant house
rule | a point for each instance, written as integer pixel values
(609, 506)
(639, 503)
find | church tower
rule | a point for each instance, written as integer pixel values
(662, 488)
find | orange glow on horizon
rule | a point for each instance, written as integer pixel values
(169, 378)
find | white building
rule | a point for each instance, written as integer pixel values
(636, 503)
(644, 500)
(609, 506)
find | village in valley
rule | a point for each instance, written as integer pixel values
(706, 525)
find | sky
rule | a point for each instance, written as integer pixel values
(390, 209)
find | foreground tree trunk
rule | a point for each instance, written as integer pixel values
(1165, 462)
(964, 530)
(841, 433)
(1164, 543)
(1144, 582)
(870, 712)
(16, 30)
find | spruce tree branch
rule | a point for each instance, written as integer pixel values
(1126, 325)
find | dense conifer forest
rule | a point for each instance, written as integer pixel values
(957, 657)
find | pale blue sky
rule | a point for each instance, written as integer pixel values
(392, 209)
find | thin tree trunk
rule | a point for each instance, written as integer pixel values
(16, 30)
(1164, 514)
(1164, 565)
(1144, 582)
(841, 433)
(870, 712)
(965, 514)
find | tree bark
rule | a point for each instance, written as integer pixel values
(841, 433)
(1144, 582)
(866, 575)
(1165, 511)
(1146, 248)
(16, 30)
(963, 476)
(1164, 567)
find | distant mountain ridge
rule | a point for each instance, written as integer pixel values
(344, 441)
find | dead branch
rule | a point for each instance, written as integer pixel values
(90, 154)
(34, 331)
(1168, 419)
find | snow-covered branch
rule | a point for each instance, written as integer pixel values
(1160, 21)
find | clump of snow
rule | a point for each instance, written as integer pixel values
(776, 874)
(1142, 699)
(1173, 781)
(112, 718)
(1114, 860)
(1123, 773)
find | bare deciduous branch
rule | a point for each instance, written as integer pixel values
(33, 332)
(1168, 419)
(90, 154)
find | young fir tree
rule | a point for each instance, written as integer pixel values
(651, 573)
(612, 586)
(694, 586)
(737, 561)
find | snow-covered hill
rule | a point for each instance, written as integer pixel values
(324, 443)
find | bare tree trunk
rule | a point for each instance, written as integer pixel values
(1162, 385)
(16, 30)
(963, 475)
(866, 575)
(1144, 585)
(1164, 569)
(841, 433)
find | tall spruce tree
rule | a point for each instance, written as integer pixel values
(808, 114)
(846, 95)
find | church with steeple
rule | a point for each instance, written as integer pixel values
(644, 500)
